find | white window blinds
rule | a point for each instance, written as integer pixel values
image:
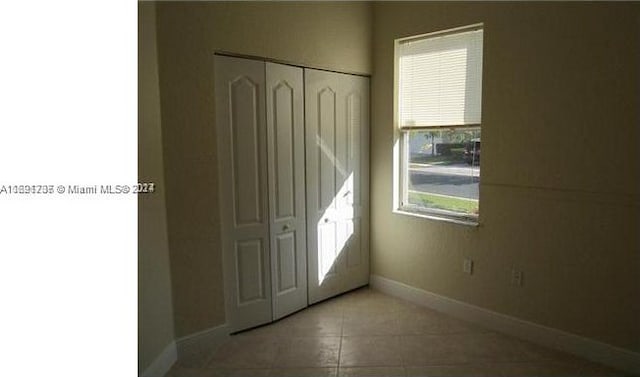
(440, 80)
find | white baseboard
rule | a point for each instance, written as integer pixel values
(553, 338)
(194, 350)
(161, 365)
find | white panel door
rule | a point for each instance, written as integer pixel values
(337, 126)
(242, 156)
(285, 134)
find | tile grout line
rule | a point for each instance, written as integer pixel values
(341, 337)
(278, 351)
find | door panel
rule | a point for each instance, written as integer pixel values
(357, 196)
(242, 158)
(327, 251)
(283, 149)
(354, 251)
(243, 122)
(285, 133)
(354, 133)
(326, 142)
(336, 121)
(286, 267)
(249, 262)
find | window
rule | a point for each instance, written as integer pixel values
(438, 117)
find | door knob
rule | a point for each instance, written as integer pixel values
(285, 227)
(326, 220)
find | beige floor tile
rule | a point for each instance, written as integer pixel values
(314, 324)
(538, 369)
(465, 370)
(494, 347)
(371, 372)
(460, 349)
(418, 350)
(274, 329)
(535, 353)
(423, 322)
(304, 372)
(367, 333)
(360, 293)
(370, 323)
(332, 307)
(301, 324)
(194, 358)
(178, 371)
(196, 354)
(218, 372)
(374, 303)
(246, 352)
(242, 373)
(308, 352)
(370, 351)
(406, 306)
(591, 369)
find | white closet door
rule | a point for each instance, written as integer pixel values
(285, 134)
(242, 155)
(337, 126)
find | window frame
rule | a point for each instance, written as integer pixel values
(401, 149)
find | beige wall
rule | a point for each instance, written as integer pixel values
(155, 313)
(329, 35)
(559, 194)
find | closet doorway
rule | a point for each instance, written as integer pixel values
(293, 176)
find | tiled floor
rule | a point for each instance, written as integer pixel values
(366, 333)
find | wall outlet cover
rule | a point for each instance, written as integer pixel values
(467, 266)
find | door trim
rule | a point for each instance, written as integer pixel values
(286, 62)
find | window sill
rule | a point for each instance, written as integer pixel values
(465, 222)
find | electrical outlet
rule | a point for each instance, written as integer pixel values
(467, 266)
(517, 277)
